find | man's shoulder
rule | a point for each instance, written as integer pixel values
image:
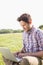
(39, 31)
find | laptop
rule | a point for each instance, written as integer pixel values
(8, 55)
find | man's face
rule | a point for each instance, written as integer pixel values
(26, 26)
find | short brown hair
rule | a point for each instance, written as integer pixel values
(24, 17)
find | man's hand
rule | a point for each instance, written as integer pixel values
(16, 53)
(19, 54)
(22, 54)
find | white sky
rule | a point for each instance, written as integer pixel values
(11, 9)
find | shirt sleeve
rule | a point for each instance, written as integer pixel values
(40, 40)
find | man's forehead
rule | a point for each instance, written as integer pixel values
(23, 22)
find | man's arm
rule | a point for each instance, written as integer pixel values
(37, 54)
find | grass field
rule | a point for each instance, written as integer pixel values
(12, 41)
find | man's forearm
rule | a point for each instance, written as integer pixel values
(37, 54)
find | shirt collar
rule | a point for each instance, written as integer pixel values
(30, 31)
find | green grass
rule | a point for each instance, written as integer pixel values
(12, 41)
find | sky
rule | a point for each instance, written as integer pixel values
(10, 10)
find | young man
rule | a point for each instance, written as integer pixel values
(32, 39)
(32, 42)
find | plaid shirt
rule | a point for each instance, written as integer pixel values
(33, 40)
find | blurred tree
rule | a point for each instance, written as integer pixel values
(41, 27)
